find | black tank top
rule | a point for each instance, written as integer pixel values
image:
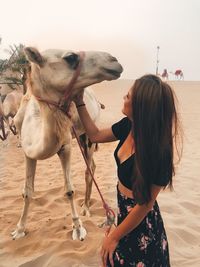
(121, 130)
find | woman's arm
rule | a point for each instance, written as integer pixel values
(95, 134)
(136, 215)
(133, 219)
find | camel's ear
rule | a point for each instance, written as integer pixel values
(34, 56)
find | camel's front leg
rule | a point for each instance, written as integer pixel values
(64, 154)
(89, 151)
(27, 195)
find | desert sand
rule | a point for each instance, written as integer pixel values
(49, 242)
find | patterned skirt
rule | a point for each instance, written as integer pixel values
(146, 245)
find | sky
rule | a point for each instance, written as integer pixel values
(130, 30)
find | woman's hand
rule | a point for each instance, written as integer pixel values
(108, 247)
(78, 99)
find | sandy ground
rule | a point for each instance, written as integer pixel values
(49, 243)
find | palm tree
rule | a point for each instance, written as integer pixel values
(17, 65)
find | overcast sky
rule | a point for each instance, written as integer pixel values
(129, 29)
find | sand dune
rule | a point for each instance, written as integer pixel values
(49, 243)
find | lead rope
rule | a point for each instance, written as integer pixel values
(110, 214)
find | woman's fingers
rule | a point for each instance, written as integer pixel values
(111, 259)
(105, 257)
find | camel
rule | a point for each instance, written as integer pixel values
(178, 74)
(5, 133)
(165, 74)
(4, 90)
(56, 76)
(11, 104)
(2, 129)
(9, 108)
(7, 88)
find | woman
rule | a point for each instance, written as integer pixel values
(145, 161)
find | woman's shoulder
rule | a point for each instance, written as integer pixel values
(122, 128)
(125, 121)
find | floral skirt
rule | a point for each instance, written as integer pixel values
(146, 245)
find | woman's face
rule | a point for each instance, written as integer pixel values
(127, 108)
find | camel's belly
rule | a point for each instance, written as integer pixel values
(39, 151)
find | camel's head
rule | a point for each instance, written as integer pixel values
(54, 69)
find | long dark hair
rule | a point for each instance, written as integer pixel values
(155, 131)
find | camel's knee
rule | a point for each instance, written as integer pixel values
(70, 194)
(27, 193)
(76, 222)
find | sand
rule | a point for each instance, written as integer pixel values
(49, 242)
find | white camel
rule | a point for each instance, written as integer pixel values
(5, 132)
(55, 77)
(9, 108)
(8, 88)
(11, 104)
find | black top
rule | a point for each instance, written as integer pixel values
(121, 130)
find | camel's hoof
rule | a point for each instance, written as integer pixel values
(17, 234)
(85, 211)
(79, 234)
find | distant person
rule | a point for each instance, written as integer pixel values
(165, 74)
(145, 162)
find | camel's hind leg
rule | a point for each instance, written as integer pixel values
(64, 154)
(89, 149)
(27, 195)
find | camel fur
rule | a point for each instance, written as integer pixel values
(45, 130)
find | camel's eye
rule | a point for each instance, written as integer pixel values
(72, 59)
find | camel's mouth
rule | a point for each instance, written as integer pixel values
(115, 73)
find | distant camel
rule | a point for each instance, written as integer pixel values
(9, 108)
(45, 129)
(7, 88)
(3, 133)
(11, 104)
(165, 74)
(178, 74)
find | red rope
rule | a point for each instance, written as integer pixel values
(110, 214)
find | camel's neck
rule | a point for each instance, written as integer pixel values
(45, 129)
(45, 99)
(55, 122)
(40, 89)
(46, 94)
